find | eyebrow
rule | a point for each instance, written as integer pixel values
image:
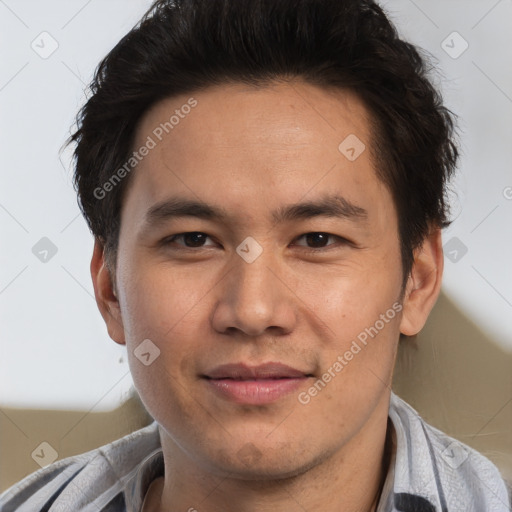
(326, 206)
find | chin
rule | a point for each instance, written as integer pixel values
(264, 464)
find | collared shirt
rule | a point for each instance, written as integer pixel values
(428, 472)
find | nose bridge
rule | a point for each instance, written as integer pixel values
(252, 298)
(252, 282)
(253, 286)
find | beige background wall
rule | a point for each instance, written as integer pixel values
(460, 381)
(68, 432)
(452, 373)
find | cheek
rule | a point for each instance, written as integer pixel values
(362, 312)
(167, 306)
(157, 307)
(353, 300)
(157, 303)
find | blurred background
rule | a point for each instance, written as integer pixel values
(64, 382)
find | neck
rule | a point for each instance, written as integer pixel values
(348, 480)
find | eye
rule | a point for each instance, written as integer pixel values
(315, 241)
(319, 240)
(191, 240)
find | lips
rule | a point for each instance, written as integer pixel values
(255, 385)
(263, 371)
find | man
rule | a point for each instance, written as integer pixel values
(265, 181)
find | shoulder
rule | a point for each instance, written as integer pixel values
(457, 473)
(83, 479)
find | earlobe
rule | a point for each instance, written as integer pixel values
(424, 284)
(105, 295)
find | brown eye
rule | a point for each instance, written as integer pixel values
(319, 240)
(191, 240)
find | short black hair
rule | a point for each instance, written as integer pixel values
(183, 46)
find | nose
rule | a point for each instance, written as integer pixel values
(255, 298)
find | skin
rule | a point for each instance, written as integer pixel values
(251, 151)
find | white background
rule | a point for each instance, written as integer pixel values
(54, 348)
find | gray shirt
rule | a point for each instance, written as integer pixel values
(429, 472)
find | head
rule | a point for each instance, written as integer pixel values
(249, 108)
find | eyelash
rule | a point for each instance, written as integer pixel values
(344, 241)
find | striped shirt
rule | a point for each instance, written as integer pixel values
(429, 472)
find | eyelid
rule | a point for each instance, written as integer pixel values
(172, 238)
(330, 235)
(340, 239)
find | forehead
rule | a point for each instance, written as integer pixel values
(255, 148)
(275, 114)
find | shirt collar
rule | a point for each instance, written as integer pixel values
(137, 486)
(412, 483)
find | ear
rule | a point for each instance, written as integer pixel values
(424, 284)
(105, 294)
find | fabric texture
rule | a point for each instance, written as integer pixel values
(429, 472)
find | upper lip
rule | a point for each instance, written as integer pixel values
(243, 371)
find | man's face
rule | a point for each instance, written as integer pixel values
(213, 299)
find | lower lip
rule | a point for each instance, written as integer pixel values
(255, 392)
